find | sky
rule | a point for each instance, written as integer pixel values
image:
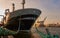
(49, 8)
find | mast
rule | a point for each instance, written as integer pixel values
(13, 7)
(23, 3)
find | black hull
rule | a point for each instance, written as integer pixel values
(26, 19)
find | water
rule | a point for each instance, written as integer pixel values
(52, 30)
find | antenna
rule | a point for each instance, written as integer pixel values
(23, 3)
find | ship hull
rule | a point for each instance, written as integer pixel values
(23, 18)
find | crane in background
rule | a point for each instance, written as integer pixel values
(41, 23)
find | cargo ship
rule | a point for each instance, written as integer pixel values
(25, 18)
(20, 21)
(22, 18)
